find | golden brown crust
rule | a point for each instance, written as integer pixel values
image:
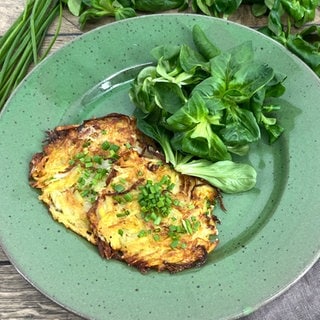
(51, 170)
(72, 159)
(119, 236)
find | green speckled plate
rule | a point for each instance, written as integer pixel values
(268, 238)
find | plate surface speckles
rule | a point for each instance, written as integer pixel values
(268, 238)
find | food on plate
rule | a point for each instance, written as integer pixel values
(151, 216)
(152, 208)
(75, 163)
(107, 182)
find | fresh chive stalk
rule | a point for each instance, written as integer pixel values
(20, 45)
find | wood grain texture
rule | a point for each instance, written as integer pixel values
(18, 299)
(3, 257)
(9, 10)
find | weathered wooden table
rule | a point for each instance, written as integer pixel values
(19, 300)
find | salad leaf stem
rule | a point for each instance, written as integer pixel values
(228, 176)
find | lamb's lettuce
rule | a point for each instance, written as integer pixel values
(228, 176)
(192, 126)
(203, 105)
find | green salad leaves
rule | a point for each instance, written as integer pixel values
(280, 15)
(204, 106)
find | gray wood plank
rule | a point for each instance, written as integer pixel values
(19, 300)
(3, 257)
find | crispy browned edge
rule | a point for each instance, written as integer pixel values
(106, 251)
(60, 132)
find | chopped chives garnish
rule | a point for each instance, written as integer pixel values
(122, 214)
(86, 144)
(91, 173)
(97, 159)
(114, 147)
(128, 197)
(79, 155)
(156, 237)
(105, 145)
(118, 187)
(143, 233)
(174, 244)
(187, 226)
(155, 202)
(183, 245)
